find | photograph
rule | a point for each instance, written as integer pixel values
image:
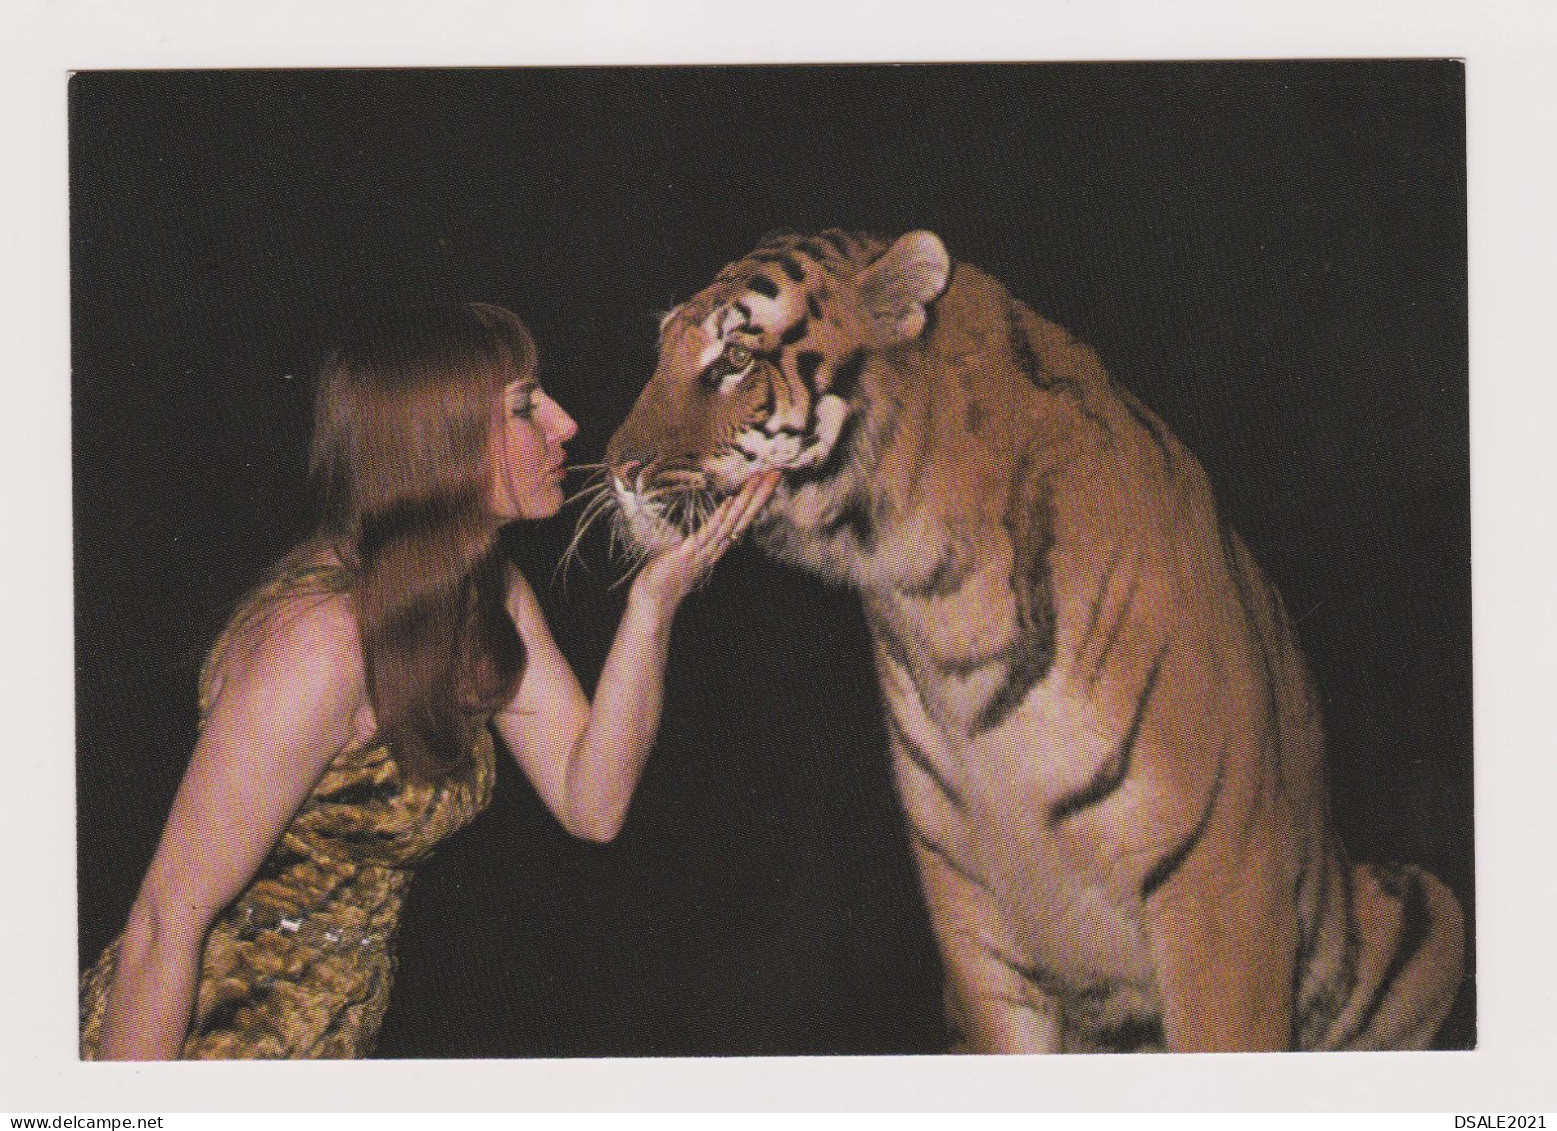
(772, 561)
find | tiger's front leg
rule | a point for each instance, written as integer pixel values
(990, 1006)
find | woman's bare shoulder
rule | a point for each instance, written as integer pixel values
(309, 636)
(322, 627)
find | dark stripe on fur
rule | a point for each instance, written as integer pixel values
(837, 459)
(1036, 975)
(1415, 929)
(813, 308)
(1043, 378)
(1094, 1011)
(807, 362)
(945, 857)
(1162, 871)
(1113, 631)
(797, 331)
(1134, 1034)
(892, 644)
(1344, 984)
(917, 756)
(840, 240)
(1029, 525)
(973, 417)
(855, 518)
(763, 285)
(796, 273)
(1154, 428)
(1111, 775)
(781, 430)
(1310, 922)
(962, 667)
(1244, 581)
(951, 572)
(1022, 349)
(1024, 669)
(1319, 997)
(1098, 600)
(846, 375)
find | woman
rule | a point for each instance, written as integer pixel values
(348, 707)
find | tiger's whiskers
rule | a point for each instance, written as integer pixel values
(678, 498)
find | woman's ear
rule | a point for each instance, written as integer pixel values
(901, 283)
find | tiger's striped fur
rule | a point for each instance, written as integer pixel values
(1105, 739)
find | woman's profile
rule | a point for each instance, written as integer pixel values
(348, 709)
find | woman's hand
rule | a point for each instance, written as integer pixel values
(669, 576)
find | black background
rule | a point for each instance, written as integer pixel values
(1271, 255)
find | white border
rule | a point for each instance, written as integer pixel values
(1509, 48)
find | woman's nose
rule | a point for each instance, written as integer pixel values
(564, 427)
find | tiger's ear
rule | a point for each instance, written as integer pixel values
(896, 288)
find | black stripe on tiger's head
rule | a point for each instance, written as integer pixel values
(768, 367)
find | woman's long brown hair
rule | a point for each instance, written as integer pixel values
(402, 462)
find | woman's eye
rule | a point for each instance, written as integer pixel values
(523, 404)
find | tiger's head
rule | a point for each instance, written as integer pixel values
(772, 366)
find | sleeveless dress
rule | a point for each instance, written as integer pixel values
(300, 964)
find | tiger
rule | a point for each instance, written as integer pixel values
(1104, 737)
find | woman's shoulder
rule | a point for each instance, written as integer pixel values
(318, 627)
(302, 620)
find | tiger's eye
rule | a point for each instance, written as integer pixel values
(738, 357)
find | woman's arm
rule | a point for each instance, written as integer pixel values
(286, 706)
(585, 760)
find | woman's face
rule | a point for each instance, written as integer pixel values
(527, 455)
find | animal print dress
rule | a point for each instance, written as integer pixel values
(300, 965)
